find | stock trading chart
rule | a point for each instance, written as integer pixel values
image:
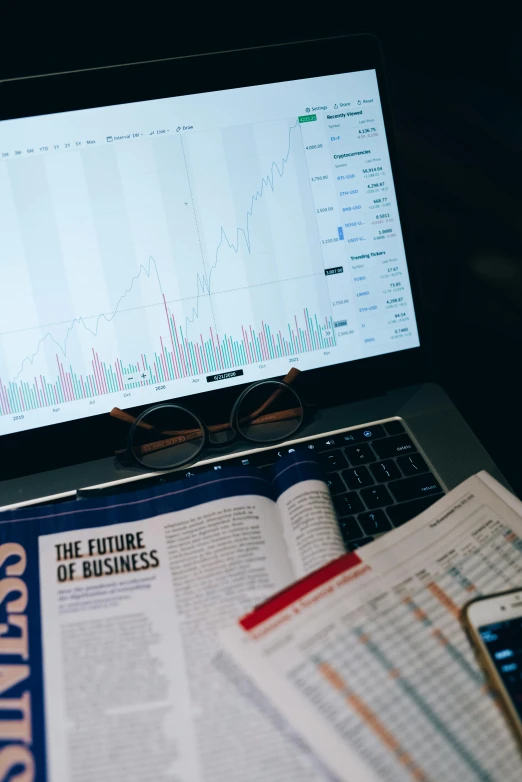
(142, 265)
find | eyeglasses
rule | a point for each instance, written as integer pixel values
(166, 435)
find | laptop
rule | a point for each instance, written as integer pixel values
(248, 204)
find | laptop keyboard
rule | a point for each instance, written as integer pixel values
(377, 477)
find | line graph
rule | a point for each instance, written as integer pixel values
(81, 321)
(203, 283)
(177, 349)
(169, 301)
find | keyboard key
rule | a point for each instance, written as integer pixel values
(385, 471)
(394, 427)
(358, 454)
(348, 503)
(364, 434)
(358, 478)
(374, 522)
(190, 472)
(327, 443)
(354, 544)
(413, 464)
(350, 530)
(289, 449)
(335, 483)
(399, 514)
(414, 488)
(394, 446)
(312, 446)
(244, 461)
(222, 463)
(332, 460)
(377, 497)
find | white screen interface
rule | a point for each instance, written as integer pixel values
(158, 249)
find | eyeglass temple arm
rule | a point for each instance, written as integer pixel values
(121, 415)
(177, 438)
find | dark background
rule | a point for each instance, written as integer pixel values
(456, 92)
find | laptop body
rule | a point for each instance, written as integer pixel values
(175, 230)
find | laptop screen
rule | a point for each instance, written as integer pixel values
(153, 250)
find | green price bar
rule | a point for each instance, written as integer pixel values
(308, 118)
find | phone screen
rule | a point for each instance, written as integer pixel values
(503, 641)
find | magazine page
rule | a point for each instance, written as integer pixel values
(308, 518)
(108, 627)
(367, 660)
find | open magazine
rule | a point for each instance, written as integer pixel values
(109, 614)
(367, 659)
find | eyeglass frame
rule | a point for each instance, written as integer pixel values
(128, 455)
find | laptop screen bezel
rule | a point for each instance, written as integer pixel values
(99, 436)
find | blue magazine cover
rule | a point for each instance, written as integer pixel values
(109, 611)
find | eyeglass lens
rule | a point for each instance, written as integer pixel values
(268, 412)
(167, 436)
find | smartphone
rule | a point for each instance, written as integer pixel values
(494, 627)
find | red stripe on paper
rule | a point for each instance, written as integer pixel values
(301, 588)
